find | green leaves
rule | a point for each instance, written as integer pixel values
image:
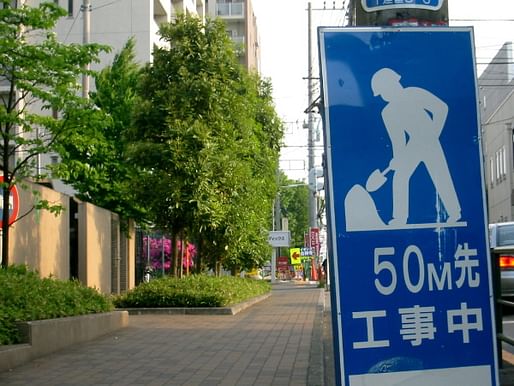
(198, 135)
(95, 158)
(192, 291)
(26, 296)
(40, 78)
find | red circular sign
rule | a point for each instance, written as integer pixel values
(14, 203)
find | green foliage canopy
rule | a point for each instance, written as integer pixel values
(41, 101)
(95, 162)
(206, 138)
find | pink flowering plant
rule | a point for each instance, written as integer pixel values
(161, 249)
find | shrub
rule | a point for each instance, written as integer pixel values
(25, 297)
(192, 291)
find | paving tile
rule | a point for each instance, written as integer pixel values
(266, 344)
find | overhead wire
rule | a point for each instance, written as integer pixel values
(72, 24)
(105, 5)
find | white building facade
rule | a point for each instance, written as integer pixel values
(113, 22)
(496, 92)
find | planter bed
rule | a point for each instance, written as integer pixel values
(197, 310)
(43, 337)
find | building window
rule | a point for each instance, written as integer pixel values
(503, 161)
(70, 8)
(491, 171)
(501, 164)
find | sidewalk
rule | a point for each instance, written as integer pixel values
(283, 340)
(279, 341)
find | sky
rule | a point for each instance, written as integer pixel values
(283, 34)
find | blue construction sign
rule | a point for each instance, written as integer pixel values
(412, 288)
(378, 5)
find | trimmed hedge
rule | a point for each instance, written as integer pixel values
(24, 296)
(192, 291)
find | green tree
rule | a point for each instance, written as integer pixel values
(294, 204)
(250, 213)
(205, 138)
(41, 103)
(95, 162)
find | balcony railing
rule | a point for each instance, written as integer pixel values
(230, 9)
(238, 39)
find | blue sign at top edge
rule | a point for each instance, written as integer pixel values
(377, 5)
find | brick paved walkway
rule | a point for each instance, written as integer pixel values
(267, 344)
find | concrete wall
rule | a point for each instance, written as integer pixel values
(94, 246)
(129, 260)
(41, 239)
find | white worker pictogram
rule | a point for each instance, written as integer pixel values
(414, 119)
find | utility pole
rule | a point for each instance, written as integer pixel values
(276, 226)
(313, 196)
(86, 10)
(313, 204)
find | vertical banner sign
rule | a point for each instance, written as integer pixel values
(314, 240)
(413, 291)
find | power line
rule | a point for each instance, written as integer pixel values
(72, 24)
(105, 5)
(499, 121)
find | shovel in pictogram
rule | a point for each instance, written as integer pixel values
(376, 179)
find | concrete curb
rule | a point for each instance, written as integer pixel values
(233, 310)
(507, 357)
(46, 336)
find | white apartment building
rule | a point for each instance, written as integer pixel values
(496, 92)
(112, 22)
(241, 25)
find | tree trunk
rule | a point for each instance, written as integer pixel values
(235, 270)
(5, 228)
(180, 267)
(174, 255)
(199, 255)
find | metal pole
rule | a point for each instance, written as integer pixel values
(276, 227)
(274, 266)
(148, 249)
(313, 207)
(86, 9)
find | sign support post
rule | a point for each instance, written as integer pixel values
(277, 239)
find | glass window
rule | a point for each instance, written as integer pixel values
(505, 235)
